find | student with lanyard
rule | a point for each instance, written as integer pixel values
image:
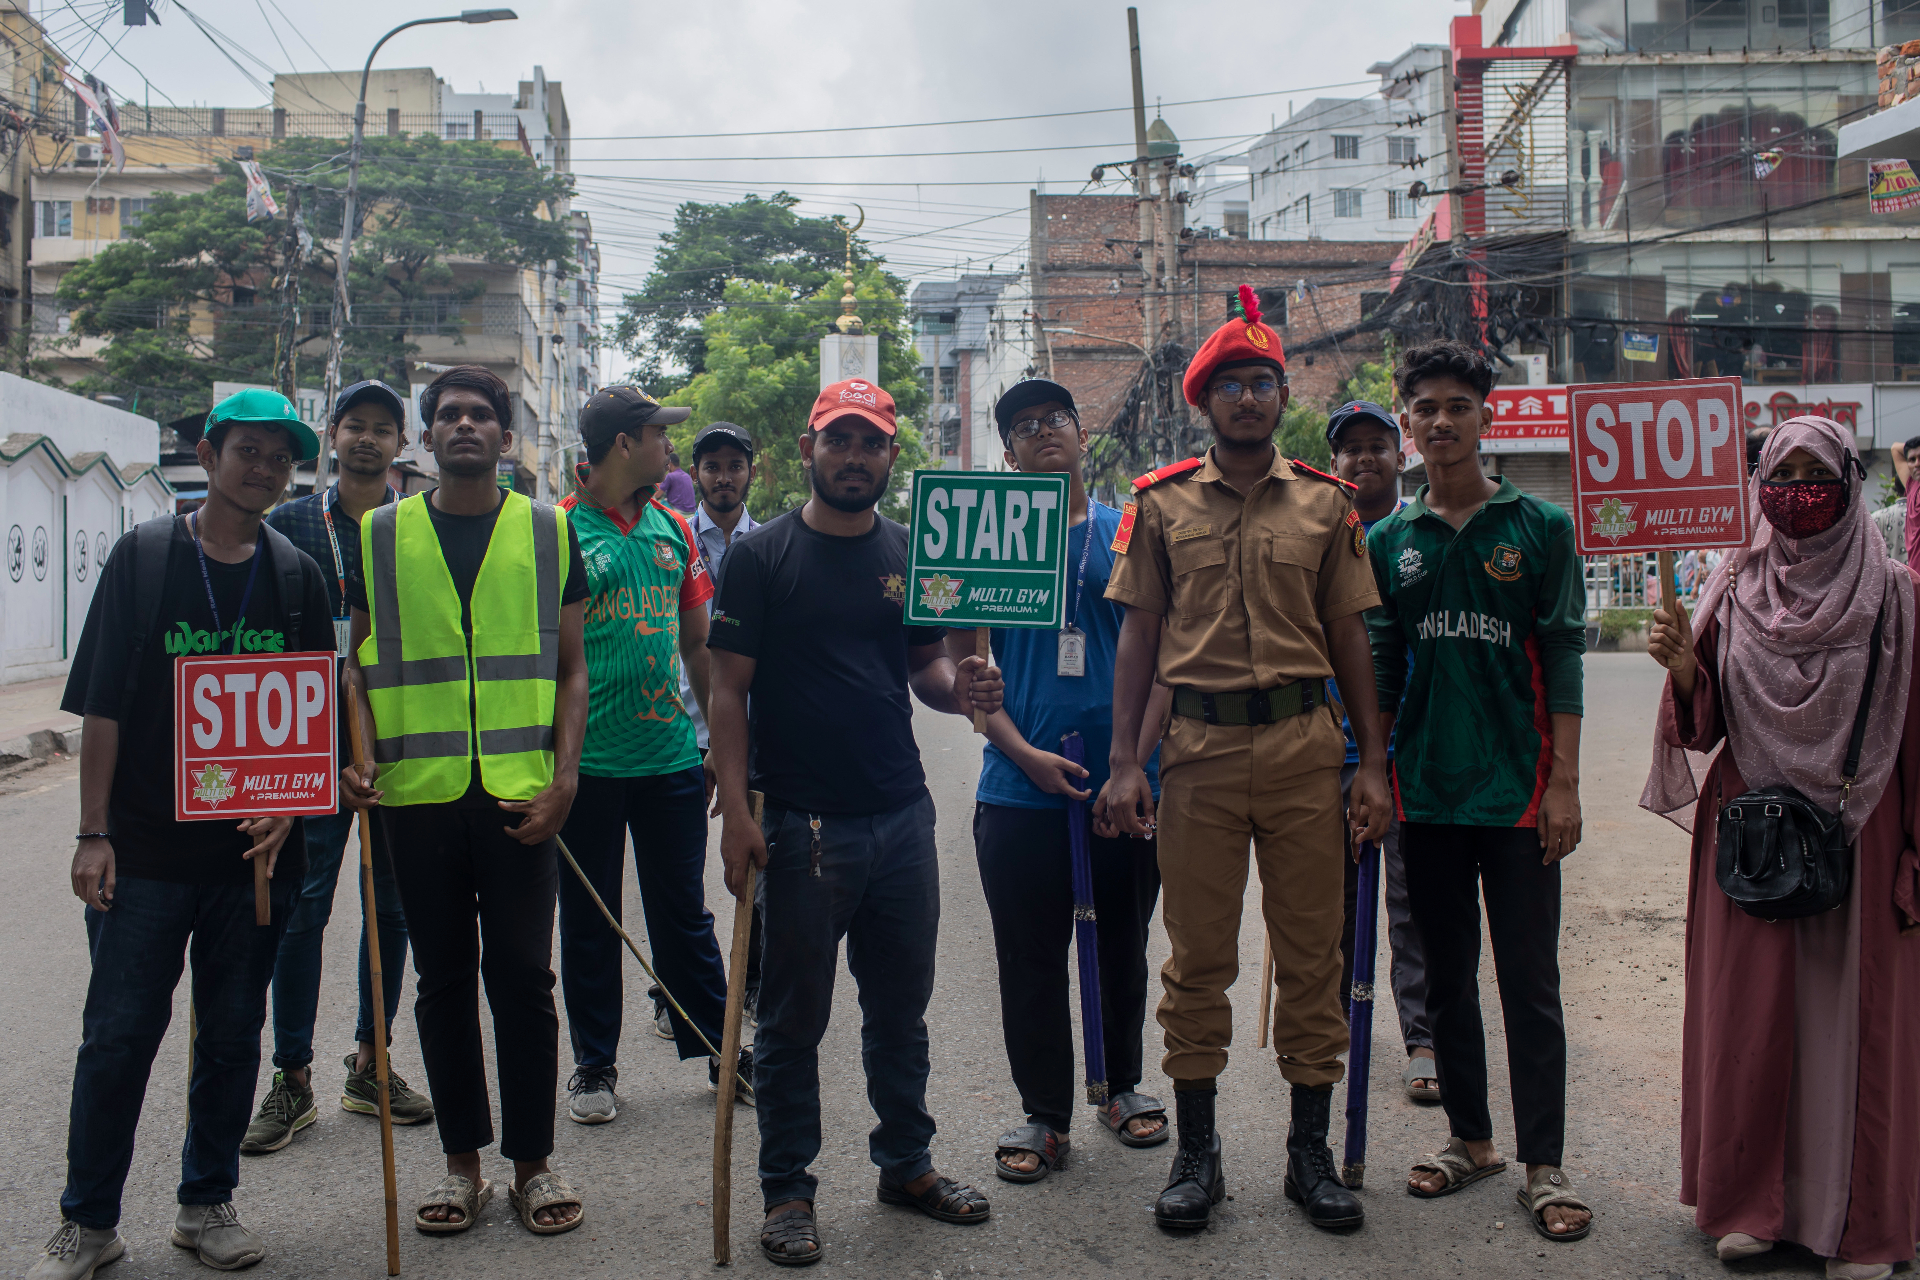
(365, 435)
(1057, 684)
(1365, 442)
(157, 889)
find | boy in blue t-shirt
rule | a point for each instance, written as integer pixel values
(1020, 828)
(1365, 442)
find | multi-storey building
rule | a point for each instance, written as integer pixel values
(535, 326)
(971, 349)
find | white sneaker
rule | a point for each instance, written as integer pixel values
(1838, 1270)
(75, 1252)
(215, 1233)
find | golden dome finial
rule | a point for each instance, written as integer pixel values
(849, 321)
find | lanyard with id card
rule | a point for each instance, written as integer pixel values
(342, 626)
(1071, 658)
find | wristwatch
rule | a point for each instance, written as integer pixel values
(94, 835)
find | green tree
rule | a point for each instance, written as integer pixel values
(661, 328)
(762, 371)
(190, 298)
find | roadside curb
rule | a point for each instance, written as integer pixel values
(42, 744)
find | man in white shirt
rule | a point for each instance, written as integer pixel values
(723, 472)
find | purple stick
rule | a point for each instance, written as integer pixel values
(1086, 939)
(1360, 1014)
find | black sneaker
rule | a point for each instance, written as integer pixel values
(742, 1092)
(361, 1094)
(751, 1003)
(662, 1017)
(285, 1111)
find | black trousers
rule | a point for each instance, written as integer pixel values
(1027, 871)
(1449, 869)
(479, 905)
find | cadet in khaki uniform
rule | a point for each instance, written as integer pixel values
(1244, 578)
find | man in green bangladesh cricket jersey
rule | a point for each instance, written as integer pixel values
(640, 769)
(1481, 585)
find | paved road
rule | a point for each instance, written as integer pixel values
(646, 1176)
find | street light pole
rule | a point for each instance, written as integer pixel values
(342, 307)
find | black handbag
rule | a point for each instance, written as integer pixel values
(1782, 857)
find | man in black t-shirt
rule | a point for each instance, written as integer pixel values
(809, 622)
(154, 886)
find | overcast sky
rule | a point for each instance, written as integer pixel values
(758, 67)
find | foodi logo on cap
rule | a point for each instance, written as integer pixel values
(859, 392)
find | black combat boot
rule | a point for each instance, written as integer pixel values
(1311, 1181)
(1197, 1182)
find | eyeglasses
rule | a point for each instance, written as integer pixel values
(1263, 391)
(1058, 421)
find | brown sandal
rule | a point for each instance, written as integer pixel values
(545, 1191)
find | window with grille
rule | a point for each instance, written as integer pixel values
(131, 211)
(1346, 146)
(1346, 204)
(1400, 205)
(1401, 149)
(457, 130)
(53, 219)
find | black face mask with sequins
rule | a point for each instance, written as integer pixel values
(1802, 508)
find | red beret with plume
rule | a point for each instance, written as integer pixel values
(1238, 341)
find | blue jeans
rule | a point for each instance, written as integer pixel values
(296, 972)
(139, 949)
(667, 814)
(878, 885)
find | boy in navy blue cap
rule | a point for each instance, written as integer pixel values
(1366, 445)
(1058, 685)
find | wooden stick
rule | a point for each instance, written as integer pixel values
(380, 1065)
(1669, 594)
(981, 638)
(262, 899)
(1266, 992)
(730, 1058)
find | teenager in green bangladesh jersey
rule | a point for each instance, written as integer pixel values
(1481, 585)
(640, 770)
(645, 576)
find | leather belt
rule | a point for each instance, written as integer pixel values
(1249, 706)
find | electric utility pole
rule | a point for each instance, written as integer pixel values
(293, 260)
(1143, 192)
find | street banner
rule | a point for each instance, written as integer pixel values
(255, 736)
(988, 549)
(1659, 466)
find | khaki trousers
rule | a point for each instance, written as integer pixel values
(1276, 787)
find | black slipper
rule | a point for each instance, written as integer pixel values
(1123, 1107)
(1038, 1139)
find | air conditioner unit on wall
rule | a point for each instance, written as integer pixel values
(85, 153)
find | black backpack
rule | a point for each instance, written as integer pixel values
(153, 543)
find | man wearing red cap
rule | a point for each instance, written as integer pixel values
(1244, 577)
(809, 623)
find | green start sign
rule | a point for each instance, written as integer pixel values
(989, 549)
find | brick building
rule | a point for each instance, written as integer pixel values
(1085, 278)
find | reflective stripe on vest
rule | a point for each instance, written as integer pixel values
(426, 686)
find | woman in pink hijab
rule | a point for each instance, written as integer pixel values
(1800, 1081)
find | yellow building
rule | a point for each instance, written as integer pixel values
(538, 331)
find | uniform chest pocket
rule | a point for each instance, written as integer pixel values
(1200, 585)
(1293, 575)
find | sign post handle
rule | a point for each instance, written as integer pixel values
(1669, 594)
(982, 636)
(382, 1069)
(262, 899)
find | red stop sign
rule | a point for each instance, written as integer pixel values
(1659, 466)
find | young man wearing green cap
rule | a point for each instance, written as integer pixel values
(215, 582)
(365, 435)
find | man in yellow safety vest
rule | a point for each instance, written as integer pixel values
(467, 627)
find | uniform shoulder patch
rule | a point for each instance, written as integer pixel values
(1167, 472)
(1123, 536)
(1298, 465)
(1359, 533)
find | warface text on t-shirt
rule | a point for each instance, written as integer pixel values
(181, 639)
